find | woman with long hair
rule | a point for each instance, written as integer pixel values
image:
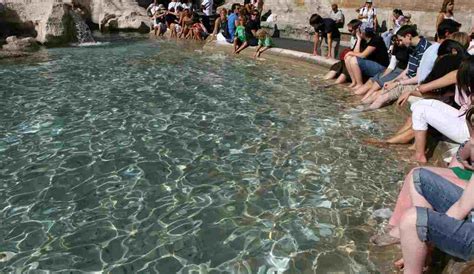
(446, 12)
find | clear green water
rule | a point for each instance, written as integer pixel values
(146, 156)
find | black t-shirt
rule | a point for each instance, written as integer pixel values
(170, 18)
(402, 54)
(328, 26)
(380, 54)
(251, 25)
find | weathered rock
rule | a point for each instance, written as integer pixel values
(116, 14)
(12, 54)
(18, 45)
(48, 20)
(51, 23)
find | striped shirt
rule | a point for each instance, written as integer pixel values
(415, 57)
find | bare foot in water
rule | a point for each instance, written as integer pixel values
(376, 142)
(399, 264)
(356, 87)
(420, 158)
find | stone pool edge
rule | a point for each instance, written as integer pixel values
(278, 52)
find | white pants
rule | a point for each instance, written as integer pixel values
(442, 117)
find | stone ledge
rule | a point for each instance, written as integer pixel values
(292, 54)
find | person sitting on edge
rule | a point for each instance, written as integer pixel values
(339, 70)
(434, 183)
(159, 24)
(327, 36)
(398, 63)
(408, 35)
(233, 20)
(427, 62)
(221, 28)
(442, 213)
(368, 14)
(337, 15)
(240, 36)
(374, 59)
(264, 42)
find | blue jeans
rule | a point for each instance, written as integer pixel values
(369, 68)
(381, 79)
(455, 237)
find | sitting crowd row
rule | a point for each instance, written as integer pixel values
(435, 205)
(240, 26)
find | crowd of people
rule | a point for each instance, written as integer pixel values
(239, 26)
(383, 66)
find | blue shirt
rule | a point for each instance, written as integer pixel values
(415, 57)
(231, 24)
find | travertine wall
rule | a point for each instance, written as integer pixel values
(296, 13)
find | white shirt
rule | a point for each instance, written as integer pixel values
(153, 8)
(174, 5)
(471, 48)
(187, 5)
(427, 62)
(369, 13)
(336, 15)
(207, 4)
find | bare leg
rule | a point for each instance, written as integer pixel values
(408, 124)
(370, 98)
(349, 69)
(420, 146)
(341, 79)
(414, 251)
(364, 88)
(330, 75)
(402, 138)
(242, 47)
(357, 73)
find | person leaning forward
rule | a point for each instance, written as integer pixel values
(327, 36)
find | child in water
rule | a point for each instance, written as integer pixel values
(264, 42)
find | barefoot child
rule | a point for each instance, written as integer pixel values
(240, 40)
(264, 42)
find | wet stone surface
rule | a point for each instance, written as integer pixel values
(157, 157)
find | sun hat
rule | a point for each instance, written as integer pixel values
(368, 1)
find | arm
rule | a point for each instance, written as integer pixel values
(316, 42)
(217, 26)
(357, 45)
(447, 80)
(363, 54)
(439, 19)
(464, 205)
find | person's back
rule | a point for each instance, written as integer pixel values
(233, 17)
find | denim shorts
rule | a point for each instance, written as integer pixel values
(381, 79)
(455, 237)
(369, 68)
